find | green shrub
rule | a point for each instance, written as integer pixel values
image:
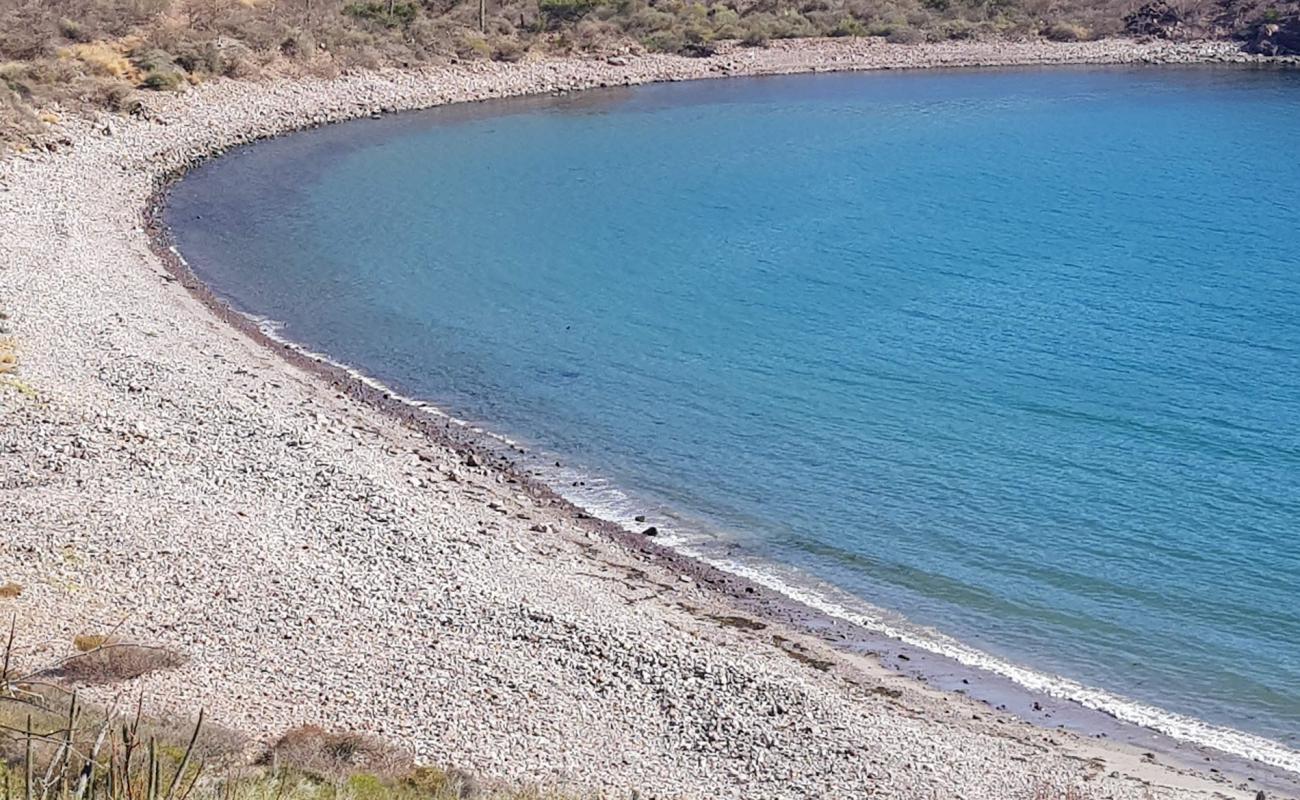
(664, 42)
(163, 80)
(557, 11)
(387, 14)
(159, 69)
(848, 27)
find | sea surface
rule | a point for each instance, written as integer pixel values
(1004, 363)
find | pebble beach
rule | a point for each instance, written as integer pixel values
(321, 554)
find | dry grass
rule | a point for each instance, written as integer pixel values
(107, 59)
(10, 590)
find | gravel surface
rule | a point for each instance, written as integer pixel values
(320, 561)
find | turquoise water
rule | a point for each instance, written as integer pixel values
(1014, 355)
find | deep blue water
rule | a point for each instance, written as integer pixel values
(1014, 354)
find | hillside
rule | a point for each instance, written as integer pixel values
(61, 56)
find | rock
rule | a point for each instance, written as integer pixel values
(472, 461)
(1157, 18)
(639, 518)
(650, 531)
(699, 50)
(617, 61)
(1276, 39)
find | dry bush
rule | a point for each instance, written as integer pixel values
(10, 589)
(113, 662)
(86, 642)
(1066, 32)
(312, 749)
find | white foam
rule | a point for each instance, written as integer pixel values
(1177, 726)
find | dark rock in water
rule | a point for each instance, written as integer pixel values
(639, 518)
(650, 531)
(1276, 38)
(1157, 18)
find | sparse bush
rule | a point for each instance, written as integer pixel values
(71, 29)
(473, 46)
(905, 35)
(111, 662)
(1065, 32)
(664, 42)
(311, 748)
(387, 14)
(558, 11)
(848, 27)
(958, 30)
(509, 51)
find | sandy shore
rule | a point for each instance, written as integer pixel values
(323, 561)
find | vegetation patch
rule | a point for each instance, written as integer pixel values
(387, 14)
(111, 662)
(559, 11)
(62, 56)
(313, 749)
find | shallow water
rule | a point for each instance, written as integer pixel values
(1013, 354)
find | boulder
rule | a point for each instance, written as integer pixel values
(1277, 38)
(1156, 18)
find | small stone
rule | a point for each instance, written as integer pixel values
(650, 531)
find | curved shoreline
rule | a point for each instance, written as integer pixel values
(298, 111)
